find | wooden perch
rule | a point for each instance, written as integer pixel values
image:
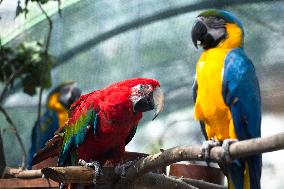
(20, 173)
(84, 175)
(80, 174)
(202, 184)
(193, 153)
(167, 157)
(157, 181)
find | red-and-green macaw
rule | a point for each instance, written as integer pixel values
(102, 122)
(59, 101)
(226, 91)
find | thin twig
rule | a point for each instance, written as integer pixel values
(11, 78)
(2, 157)
(9, 81)
(59, 8)
(47, 44)
(39, 105)
(11, 123)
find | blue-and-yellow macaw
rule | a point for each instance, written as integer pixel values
(58, 102)
(226, 91)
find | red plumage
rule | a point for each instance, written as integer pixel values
(116, 121)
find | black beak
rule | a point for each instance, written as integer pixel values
(153, 101)
(144, 104)
(69, 95)
(198, 33)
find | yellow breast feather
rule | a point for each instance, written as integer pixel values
(55, 105)
(209, 105)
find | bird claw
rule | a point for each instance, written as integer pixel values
(120, 169)
(94, 165)
(206, 147)
(226, 146)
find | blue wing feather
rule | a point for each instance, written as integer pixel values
(75, 134)
(240, 90)
(42, 132)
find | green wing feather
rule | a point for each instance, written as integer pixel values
(75, 133)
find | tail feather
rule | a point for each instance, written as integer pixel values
(255, 164)
(51, 149)
(245, 173)
(235, 174)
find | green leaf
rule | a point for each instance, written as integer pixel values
(35, 64)
(29, 85)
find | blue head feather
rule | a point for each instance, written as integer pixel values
(227, 16)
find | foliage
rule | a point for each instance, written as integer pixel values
(23, 9)
(27, 63)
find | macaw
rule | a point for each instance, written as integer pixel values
(102, 122)
(226, 91)
(59, 101)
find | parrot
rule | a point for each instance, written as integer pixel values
(226, 93)
(59, 101)
(101, 123)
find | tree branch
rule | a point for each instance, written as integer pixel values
(2, 157)
(162, 159)
(157, 181)
(9, 81)
(201, 184)
(193, 153)
(171, 12)
(47, 44)
(84, 175)
(20, 173)
(150, 180)
(6, 115)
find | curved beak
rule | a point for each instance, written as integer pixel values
(153, 101)
(198, 32)
(158, 97)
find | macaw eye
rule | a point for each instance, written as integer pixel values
(141, 88)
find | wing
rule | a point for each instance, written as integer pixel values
(240, 90)
(131, 135)
(76, 130)
(42, 132)
(50, 150)
(194, 94)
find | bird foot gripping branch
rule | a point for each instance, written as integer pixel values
(209, 144)
(94, 165)
(206, 147)
(226, 146)
(120, 169)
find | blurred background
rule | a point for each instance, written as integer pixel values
(97, 42)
